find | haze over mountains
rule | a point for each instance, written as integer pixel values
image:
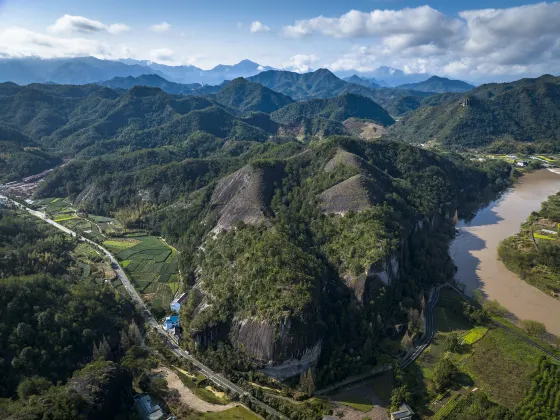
(82, 70)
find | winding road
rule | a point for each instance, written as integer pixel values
(429, 330)
(219, 380)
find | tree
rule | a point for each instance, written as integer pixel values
(125, 342)
(493, 307)
(415, 321)
(32, 386)
(533, 328)
(134, 334)
(452, 343)
(444, 374)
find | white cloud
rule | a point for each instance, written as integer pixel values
(517, 40)
(160, 27)
(300, 63)
(19, 42)
(257, 27)
(69, 23)
(163, 55)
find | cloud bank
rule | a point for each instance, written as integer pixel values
(69, 23)
(494, 41)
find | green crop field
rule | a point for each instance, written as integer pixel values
(151, 264)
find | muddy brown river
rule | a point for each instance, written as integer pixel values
(475, 250)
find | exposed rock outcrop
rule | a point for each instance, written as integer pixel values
(356, 194)
(286, 349)
(244, 196)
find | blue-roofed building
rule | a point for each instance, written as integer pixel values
(170, 322)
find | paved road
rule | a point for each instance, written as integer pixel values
(429, 330)
(149, 318)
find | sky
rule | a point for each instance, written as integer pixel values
(473, 40)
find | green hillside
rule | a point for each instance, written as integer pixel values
(439, 85)
(339, 109)
(152, 80)
(527, 110)
(323, 84)
(246, 97)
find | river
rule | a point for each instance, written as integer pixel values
(475, 253)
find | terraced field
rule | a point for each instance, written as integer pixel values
(151, 264)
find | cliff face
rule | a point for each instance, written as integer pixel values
(286, 349)
(105, 386)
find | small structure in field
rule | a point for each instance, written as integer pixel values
(403, 413)
(147, 411)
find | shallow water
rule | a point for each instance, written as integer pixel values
(475, 254)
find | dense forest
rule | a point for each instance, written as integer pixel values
(54, 324)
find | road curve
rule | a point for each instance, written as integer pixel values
(429, 330)
(219, 380)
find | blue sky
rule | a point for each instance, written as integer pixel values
(477, 40)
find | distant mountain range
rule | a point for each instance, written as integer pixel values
(83, 70)
(386, 76)
(371, 83)
(439, 85)
(527, 110)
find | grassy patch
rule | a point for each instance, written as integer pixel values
(198, 387)
(63, 218)
(474, 335)
(235, 413)
(120, 244)
(502, 365)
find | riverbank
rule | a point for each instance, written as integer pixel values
(475, 251)
(534, 253)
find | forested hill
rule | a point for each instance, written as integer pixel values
(527, 110)
(274, 213)
(42, 123)
(439, 85)
(152, 80)
(339, 109)
(323, 84)
(318, 84)
(246, 96)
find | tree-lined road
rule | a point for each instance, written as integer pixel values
(219, 380)
(429, 330)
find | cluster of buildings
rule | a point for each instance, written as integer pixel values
(171, 323)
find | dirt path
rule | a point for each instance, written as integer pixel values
(186, 395)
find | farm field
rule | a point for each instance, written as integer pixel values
(490, 360)
(151, 264)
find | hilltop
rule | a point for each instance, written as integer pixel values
(338, 109)
(439, 85)
(527, 110)
(246, 97)
(152, 80)
(324, 84)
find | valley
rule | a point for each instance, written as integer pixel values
(286, 233)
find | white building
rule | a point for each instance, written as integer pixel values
(176, 304)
